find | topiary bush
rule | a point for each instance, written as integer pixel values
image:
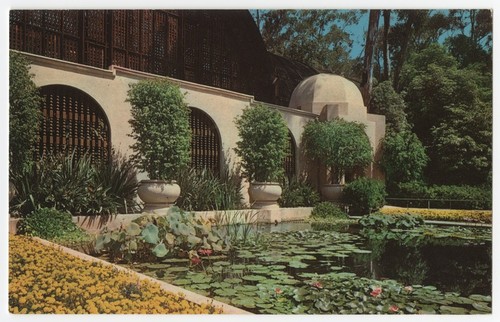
(160, 128)
(340, 145)
(47, 223)
(263, 143)
(298, 193)
(24, 114)
(327, 210)
(364, 196)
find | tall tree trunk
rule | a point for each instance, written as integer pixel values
(371, 38)
(387, 65)
(403, 53)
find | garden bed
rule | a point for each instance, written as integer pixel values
(454, 215)
(46, 278)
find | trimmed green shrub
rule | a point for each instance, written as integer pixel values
(47, 223)
(340, 145)
(24, 114)
(327, 210)
(160, 128)
(473, 197)
(298, 193)
(263, 143)
(364, 196)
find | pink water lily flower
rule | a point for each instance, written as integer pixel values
(317, 284)
(408, 289)
(393, 308)
(205, 252)
(195, 260)
(278, 290)
(376, 291)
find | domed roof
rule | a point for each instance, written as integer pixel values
(314, 92)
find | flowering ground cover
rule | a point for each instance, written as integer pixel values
(43, 279)
(477, 216)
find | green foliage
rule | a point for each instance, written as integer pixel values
(298, 193)
(386, 101)
(314, 37)
(120, 177)
(202, 190)
(47, 223)
(378, 221)
(340, 145)
(24, 114)
(364, 196)
(327, 210)
(451, 110)
(404, 158)
(263, 142)
(150, 237)
(160, 128)
(76, 186)
(475, 197)
(240, 227)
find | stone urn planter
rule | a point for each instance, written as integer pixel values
(332, 192)
(12, 190)
(158, 194)
(264, 195)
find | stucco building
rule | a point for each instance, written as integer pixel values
(84, 61)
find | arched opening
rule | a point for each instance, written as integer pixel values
(205, 142)
(289, 162)
(73, 122)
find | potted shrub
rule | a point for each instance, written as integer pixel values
(262, 148)
(160, 127)
(341, 146)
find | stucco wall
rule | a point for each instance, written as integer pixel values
(109, 88)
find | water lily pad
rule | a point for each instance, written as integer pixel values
(452, 310)
(238, 266)
(233, 280)
(482, 307)
(201, 286)
(182, 281)
(481, 298)
(298, 264)
(246, 288)
(221, 263)
(254, 278)
(158, 266)
(176, 260)
(227, 292)
(177, 269)
(361, 251)
(246, 302)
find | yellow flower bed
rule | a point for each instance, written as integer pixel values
(477, 216)
(43, 279)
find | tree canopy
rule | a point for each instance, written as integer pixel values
(432, 77)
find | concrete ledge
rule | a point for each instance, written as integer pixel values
(188, 295)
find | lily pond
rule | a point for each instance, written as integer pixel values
(302, 268)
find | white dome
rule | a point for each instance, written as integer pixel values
(314, 92)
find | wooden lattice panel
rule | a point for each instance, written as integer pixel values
(72, 122)
(289, 162)
(205, 143)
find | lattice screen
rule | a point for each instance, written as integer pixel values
(289, 162)
(205, 144)
(73, 121)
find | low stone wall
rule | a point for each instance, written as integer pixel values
(94, 224)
